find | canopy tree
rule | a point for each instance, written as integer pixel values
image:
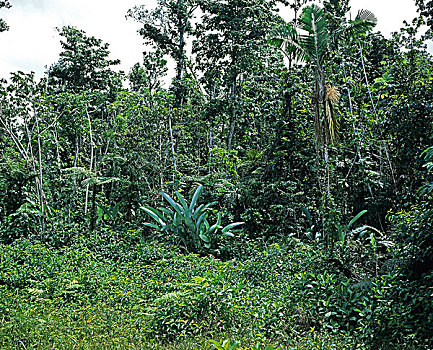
(148, 77)
(3, 24)
(84, 63)
(167, 28)
(425, 8)
(229, 47)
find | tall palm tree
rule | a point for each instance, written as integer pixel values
(310, 41)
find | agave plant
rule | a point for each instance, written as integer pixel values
(233, 345)
(225, 344)
(188, 222)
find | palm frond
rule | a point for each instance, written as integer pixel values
(286, 38)
(97, 181)
(365, 21)
(366, 16)
(78, 172)
(316, 42)
(106, 180)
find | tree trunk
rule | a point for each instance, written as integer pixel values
(93, 213)
(173, 152)
(233, 100)
(91, 161)
(41, 179)
(180, 59)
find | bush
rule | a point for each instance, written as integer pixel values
(405, 311)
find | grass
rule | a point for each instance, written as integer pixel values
(101, 295)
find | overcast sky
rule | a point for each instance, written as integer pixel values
(32, 43)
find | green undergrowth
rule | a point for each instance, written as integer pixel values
(146, 295)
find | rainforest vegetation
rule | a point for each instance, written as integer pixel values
(251, 184)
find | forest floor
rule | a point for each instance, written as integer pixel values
(108, 293)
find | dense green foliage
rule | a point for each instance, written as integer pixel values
(315, 134)
(114, 289)
(188, 222)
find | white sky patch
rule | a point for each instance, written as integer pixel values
(390, 13)
(32, 43)
(30, 49)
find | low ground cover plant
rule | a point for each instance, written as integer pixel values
(152, 294)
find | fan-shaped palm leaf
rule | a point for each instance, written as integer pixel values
(364, 21)
(367, 16)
